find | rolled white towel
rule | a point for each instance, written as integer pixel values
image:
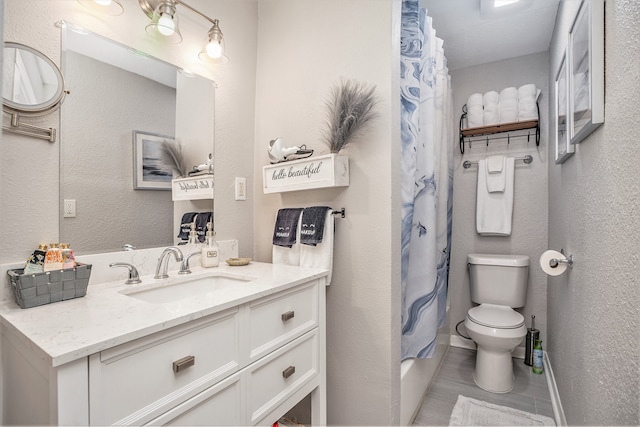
(491, 108)
(527, 90)
(490, 98)
(527, 107)
(474, 116)
(475, 99)
(509, 105)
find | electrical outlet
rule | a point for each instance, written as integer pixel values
(69, 208)
(241, 188)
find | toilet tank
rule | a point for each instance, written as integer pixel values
(498, 279)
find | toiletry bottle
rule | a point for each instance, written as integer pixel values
(210, 250)
(537, 358)
(53, 258)
(35, 263)
(193, 244)
(68, 258)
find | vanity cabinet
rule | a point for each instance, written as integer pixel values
(245, 365)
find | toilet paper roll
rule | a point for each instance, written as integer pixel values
(545, 259)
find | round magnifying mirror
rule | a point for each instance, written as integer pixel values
(32, 82)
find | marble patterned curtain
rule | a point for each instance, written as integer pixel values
(427, 181)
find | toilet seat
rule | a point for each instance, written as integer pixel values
(495, 316)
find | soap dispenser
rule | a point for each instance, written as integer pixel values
(193, 244)
(210, 250)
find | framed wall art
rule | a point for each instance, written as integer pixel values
(586, 70)
(564, 149)
(149, 171)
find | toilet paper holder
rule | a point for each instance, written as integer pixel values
(553, 263)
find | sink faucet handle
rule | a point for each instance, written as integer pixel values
(134, 277)
(184, 267)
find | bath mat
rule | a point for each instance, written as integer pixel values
(472, 412)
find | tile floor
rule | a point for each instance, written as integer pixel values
(456, 377)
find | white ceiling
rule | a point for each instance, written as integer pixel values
(471, 38)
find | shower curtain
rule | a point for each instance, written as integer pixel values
(427, 181)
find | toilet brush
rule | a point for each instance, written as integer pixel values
(532, 335)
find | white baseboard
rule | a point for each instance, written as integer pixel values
(460, 342)
(558, 412)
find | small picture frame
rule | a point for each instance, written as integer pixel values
(149, 172)
(586, 70)
(564, 149)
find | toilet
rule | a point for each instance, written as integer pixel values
(498, 284)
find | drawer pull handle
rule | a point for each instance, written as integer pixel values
(184, 363)
(289, 371)
(288, 315)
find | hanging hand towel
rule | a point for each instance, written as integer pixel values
(201, 224)
(320, 255)
(289, 253)
(312, 225)
(286, 228)
(185, 225)
(496, 174)
(494, 211)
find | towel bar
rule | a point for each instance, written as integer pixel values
(527, 159)
(341, 212)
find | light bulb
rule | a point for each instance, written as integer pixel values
(103, 2)
(214, 49)
(166, 26)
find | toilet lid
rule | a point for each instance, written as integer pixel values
(495, 316)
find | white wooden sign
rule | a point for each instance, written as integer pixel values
(192, 188)
(330, 170)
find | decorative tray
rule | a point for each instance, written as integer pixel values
(235, 262)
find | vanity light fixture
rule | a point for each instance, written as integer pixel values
(164, 21)
(500, 3)
(107, 7)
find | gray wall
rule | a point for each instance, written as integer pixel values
(594, 310)
(97, 157)
(305, 47)
(529, 227)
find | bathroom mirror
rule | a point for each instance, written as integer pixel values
(32, 83)
(116, 92)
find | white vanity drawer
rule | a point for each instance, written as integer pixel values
(144, 374)
(276, 320)
(273, 379)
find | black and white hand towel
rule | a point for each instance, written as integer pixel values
(312, 225)
(286, 228)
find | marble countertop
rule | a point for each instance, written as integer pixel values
(69, 330)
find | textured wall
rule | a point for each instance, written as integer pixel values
(29, 171)
(594, 310)
(97, 157)
(305, 47)
(529, 227)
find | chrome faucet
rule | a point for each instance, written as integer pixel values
(184, 267)
(134, 277)
(163, 261)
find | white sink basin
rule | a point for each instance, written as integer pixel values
(201, 288)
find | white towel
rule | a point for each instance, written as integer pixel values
(320, 255)
(474, 111)
(491, 108)
(496, 173)
(527, 106)
(284, 255)
(509, 105)
(494, 210)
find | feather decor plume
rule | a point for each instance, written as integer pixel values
(172, 156)
(350, 108)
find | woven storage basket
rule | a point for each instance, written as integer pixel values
(31, 290)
